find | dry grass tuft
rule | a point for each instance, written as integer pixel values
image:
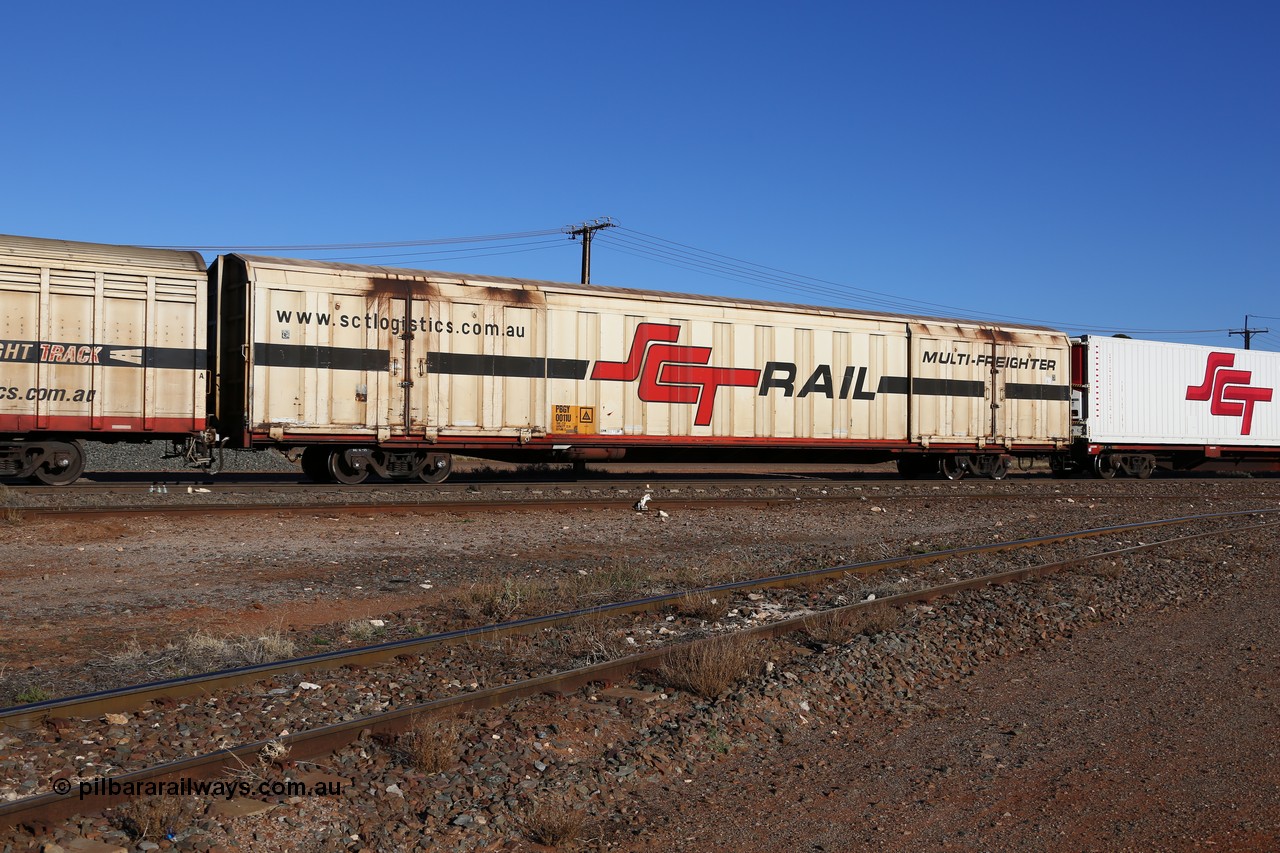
(709, 668)
(593, 639)
(204, 652)
(154, 817)
(840, 626)
(617, 582)
(363, 630)
(702, 605)
(499, 601)
(430, 746)
(8, 502)
(555, 823)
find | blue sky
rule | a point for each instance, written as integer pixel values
(1092, 166)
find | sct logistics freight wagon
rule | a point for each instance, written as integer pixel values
(97, 342)
(356, 369)
(367, 367)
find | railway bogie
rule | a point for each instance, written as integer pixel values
(53, 463)
(954, 466)
(353, 465)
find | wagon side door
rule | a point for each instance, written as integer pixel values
(950, 385)
(1030, 391)
(483, 363)
(406, 338)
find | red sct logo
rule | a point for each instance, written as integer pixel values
(1228, 391)
(670, 373)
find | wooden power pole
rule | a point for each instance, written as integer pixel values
(1247, 333)
(586, 230)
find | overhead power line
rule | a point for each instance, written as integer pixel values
(671, 253)
(660, 250)
(1273, 340)
(474, 252)
(343, 247)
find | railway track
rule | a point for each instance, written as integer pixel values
(302, 497)
(309, 744)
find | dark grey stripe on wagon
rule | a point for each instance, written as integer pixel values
(324, 358)
(948, 387)
(1027, 391)
(971, 388)
(466, 364)
(931, 387)
(893, 385)
(172, 358)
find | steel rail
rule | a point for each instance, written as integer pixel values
(91, 705)
(46, 808)
(530, 501)
(296, 483)
(522, 504)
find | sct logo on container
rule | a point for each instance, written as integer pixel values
(1228, 391)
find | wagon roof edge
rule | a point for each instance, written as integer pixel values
(75, 251)
(454, 277)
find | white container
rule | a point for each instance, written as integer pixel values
(1149, 393)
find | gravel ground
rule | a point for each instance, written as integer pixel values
(149, 456)
(1129, 709)
(1154, 730)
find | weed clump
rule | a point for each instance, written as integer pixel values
(594, 639)
(841, 626)
(499, 601)
(153, 817)
(711, 667)
(429, 746)
(702, 605)
(31, 695)
(554, 823)
(203, 652)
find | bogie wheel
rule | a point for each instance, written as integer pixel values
(1104, 466)
(999, 468)
(346, 472)
(953, 467)
(1143, 467)
(64, 465)
(437, 469)
(315, 464)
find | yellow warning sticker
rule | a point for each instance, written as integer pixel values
(573, 420)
